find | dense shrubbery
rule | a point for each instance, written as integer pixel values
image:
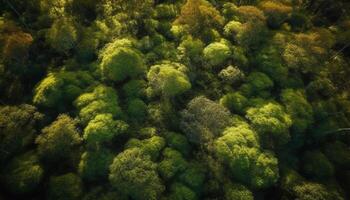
(174, 99)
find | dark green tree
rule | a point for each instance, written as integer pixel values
(65, 187)
(58, 141)
(133, 174)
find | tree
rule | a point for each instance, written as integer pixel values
(338, 153)
(120, 60)
(133, 174)
(253, 31)
(231, 75)
(237, 192)
(271, 122)
(168, 80)
(59, 89)
(135, 89)
(152, 146)
(94, 165)
(315, 191)
(199, 16)
(178, 142)
(103, 129)
(23, 174)
(269, 61)
(135, 9)
(63, 35)
(179, 191)
(232, 29)
(257, 83)
(17, 129)
(203, 120)
(54, 9)
(276, 12)
(172, 164)
(239, 149)
(15, 49)
(137, 110)
(298, 108)
(194, 177)
(317, 166)
(102, 100)
(192, 49)
(67, 186)
(235, 102)
(216, 53)
(58, 140)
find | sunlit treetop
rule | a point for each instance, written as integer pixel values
(271, 121)
(239, 149)
(102, 100)
(120, 60)
(168, 80)
(60, 88)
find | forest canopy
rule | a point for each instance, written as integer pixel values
(174, 99)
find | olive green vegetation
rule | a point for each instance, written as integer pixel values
(174, 99)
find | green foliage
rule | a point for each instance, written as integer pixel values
(239, 149)
(63, 35)
(103, 128)
(315, 191)
(178, 142)
(237, 192)
(172, 164)
(193, 177)
(67, 187)
(59, 89)
(151, 147)
(18, 128)
(317, 166)
(58, 140)
(23, 174)
(231, 75)
(120, 61)
(216, 53)
(232, 28)
(137, 110)
(134, 10)
(257, 83)
(269, 61)
(298, 108)
(203, 120)
(133, 174)
(135, 89)
(168, 80)
(102, 100)
(179, 191)
(192, 48)
(272, 123)
(299, 21)
(235, 102)
(166, 11)
(54, 8)
(338, 153)
(94, 165)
